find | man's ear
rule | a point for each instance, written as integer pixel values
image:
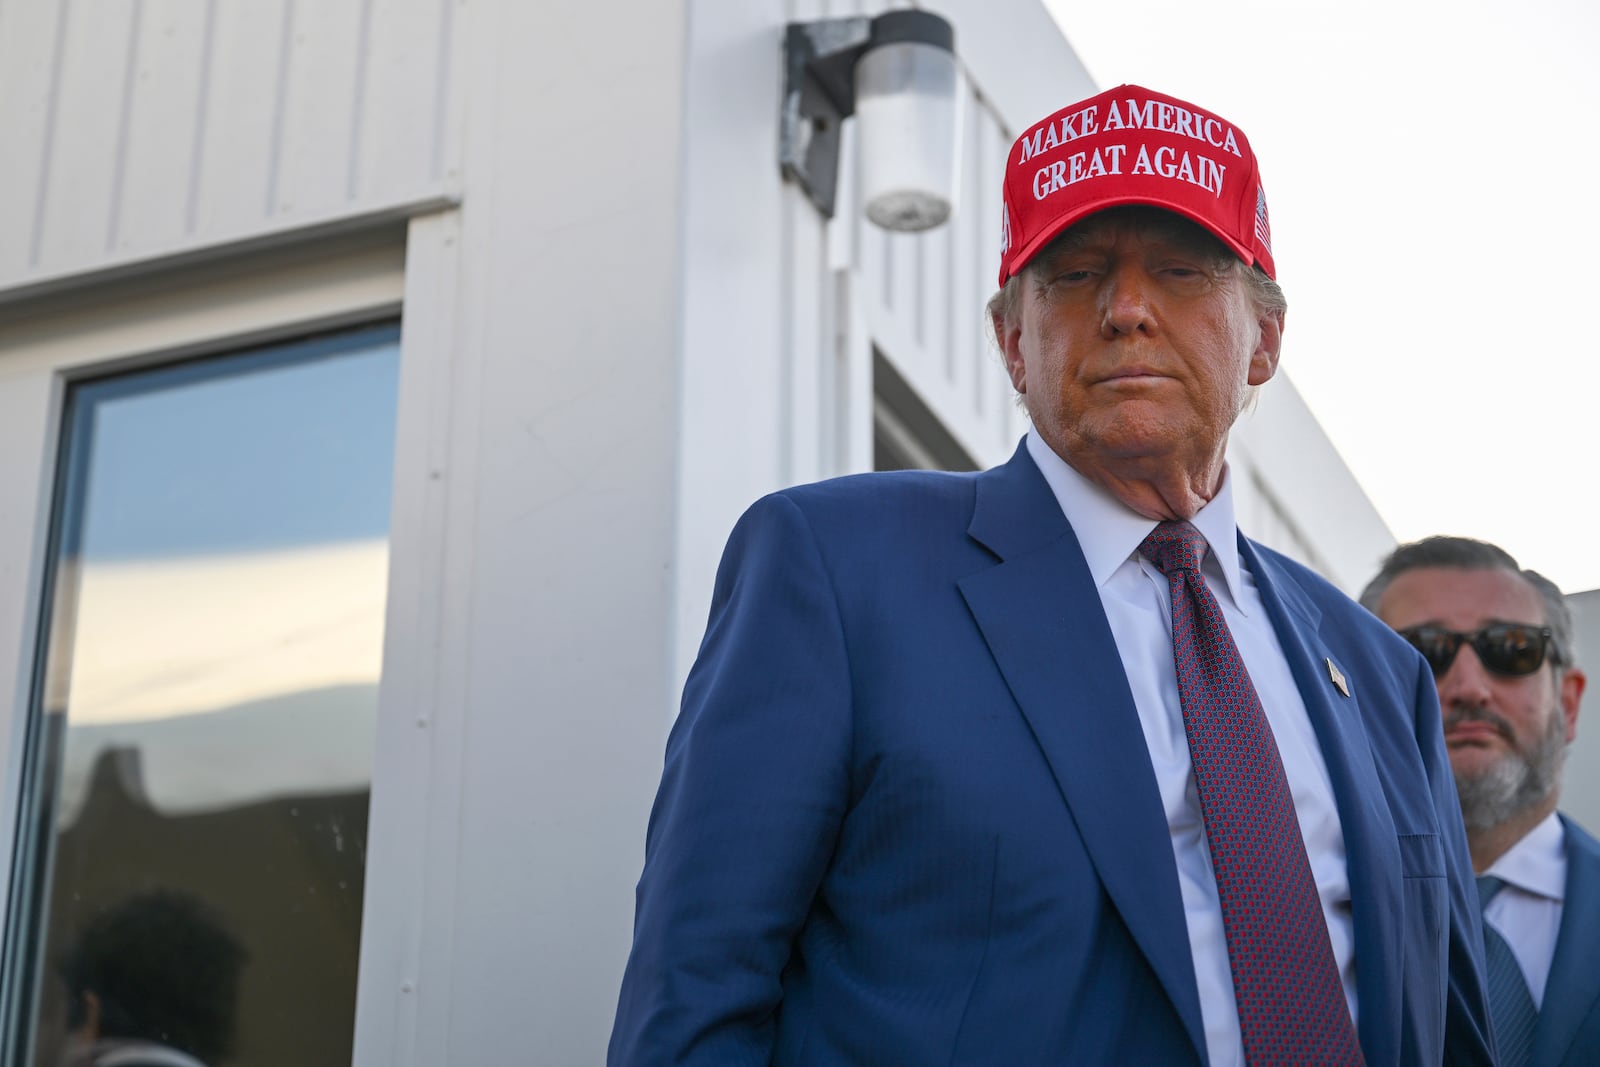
(1009, 337)
(1573, 681)
(1264, 360)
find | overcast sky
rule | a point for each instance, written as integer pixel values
(1431, 172)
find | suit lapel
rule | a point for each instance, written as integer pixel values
(1573, 989)
(1372, 852)
(1040, 614)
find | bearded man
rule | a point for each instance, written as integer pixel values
(1499, 640)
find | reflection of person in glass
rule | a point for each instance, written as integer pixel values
(151, 982)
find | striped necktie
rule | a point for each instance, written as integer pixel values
(1510, 1002)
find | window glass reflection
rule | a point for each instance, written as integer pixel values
(202, 753)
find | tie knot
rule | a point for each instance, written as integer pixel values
(1174, 546)
(1488, 886)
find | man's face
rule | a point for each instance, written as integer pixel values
(1136, 339)
(1506, 735)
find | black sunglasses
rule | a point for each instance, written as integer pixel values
(1509, 648)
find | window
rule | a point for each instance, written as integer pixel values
(191, 858)
(906, 434)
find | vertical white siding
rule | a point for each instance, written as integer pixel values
(925, 294)
(401, 137)
(162, 88)
(806, 342)
(321, 60)
(805, 451)
(26, 103)
(823, 425)
(850, 287)
(76, 178)
(232, 154)
(141, 128)
(962, 254)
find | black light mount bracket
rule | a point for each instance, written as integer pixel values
(819, 88)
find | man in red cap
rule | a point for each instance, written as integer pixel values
(1049, 764)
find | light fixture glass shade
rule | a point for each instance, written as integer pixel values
(905, 118)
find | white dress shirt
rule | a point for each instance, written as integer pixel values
(1135, 596)
(1527, 912)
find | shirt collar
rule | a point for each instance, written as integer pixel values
(1109, 532)
(1537, 864)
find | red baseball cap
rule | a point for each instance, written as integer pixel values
(1130, 145)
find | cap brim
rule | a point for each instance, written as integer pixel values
(1071, 218)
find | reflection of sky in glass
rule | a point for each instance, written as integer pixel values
(292, 446)
(224, 564)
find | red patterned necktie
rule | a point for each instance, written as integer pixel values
(1291, 1003)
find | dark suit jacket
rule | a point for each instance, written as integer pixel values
(908, 815)
(1568, 1034)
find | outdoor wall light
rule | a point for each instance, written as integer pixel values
(897, 74)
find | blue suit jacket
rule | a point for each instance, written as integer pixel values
(908, 815)
(1568, 1034)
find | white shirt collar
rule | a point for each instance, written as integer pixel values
(1110, 533)
(1538, 863)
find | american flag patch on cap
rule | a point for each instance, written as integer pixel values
(1263, 229)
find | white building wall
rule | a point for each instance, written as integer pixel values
(505, 842)
(1294, 493)
(136, 129)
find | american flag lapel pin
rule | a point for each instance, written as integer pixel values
(1338, 678)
